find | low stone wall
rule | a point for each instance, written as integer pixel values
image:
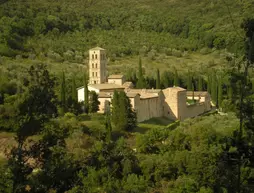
(194, 110)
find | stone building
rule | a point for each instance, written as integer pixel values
(171, 102)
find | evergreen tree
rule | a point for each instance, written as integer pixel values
(93, 102)
(209, 84)
(115, 108)
(214, 89)
(141, 83)
(220, 92)
(189, 82)
(74, 90)
(176, 79)
(200, 83)
(86, 94)
(123, 117)
(63, 94)
(158, 82)
(35, 107)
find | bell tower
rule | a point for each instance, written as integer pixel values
(97, 65)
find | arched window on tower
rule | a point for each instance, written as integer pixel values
(92, 56)
(96, 74)
(93, 74)
(92, 65)
(95, 56)
(96, 65)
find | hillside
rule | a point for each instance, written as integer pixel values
(122, 27)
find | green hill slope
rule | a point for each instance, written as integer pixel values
(122, 27)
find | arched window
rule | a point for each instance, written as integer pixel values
(92, 65)
(92, 56)
(93, 74)
(96, 74)
(95, 56)
(96, 65)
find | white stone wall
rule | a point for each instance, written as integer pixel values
(116, 81)
(81, 95)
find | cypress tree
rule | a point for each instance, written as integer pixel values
(141, 80)
(93, 102)
(209, 84)
(158, 82)
(73, 90)
(200, 83)
(86, 102)
(108, 127)
(214, 89)
(63, 92)
(189, 82)
(115, 109)
(123, 117)
(176, 79)
(220, 92)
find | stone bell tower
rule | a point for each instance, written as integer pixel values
(97, 65)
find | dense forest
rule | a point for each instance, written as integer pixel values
(50, 142)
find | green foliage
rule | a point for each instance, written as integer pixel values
(93, 102)
(141, 80)
(158, 82)
(123, 117)
(63, 94)
(86, 94)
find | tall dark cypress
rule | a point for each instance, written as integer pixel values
(86, 100)
(214, 89)
(200, 83)
(158, 82)
(176, 79)
(189, 82)
(220, 92)
(63, 94)
(141, 83)
(74, 90)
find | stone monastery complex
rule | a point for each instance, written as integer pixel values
(148, 103)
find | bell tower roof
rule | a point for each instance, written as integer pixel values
(97, 48)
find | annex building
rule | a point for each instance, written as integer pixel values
(148, 103)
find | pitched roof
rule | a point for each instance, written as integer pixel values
(97, 48)
(116, 76)
(105, 86)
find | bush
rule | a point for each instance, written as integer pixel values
(176, 53)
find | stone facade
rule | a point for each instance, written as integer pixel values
(97, 66)
(148, 103)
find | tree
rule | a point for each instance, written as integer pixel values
(220, 92)
(176, 79)
(86, 94)
(189, 82)
(200, 83)
(63, 94)
(93, 102)
(158, 82)
(141, 83)
(123, 117)
(74, 90)
(35, 107)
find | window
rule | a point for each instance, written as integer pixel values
(95, 56)
(96, 74)
(93, 74)
(96, 65)
(94, 82)
(92, 65)
(92, 56)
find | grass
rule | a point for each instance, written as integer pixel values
(158, 122)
